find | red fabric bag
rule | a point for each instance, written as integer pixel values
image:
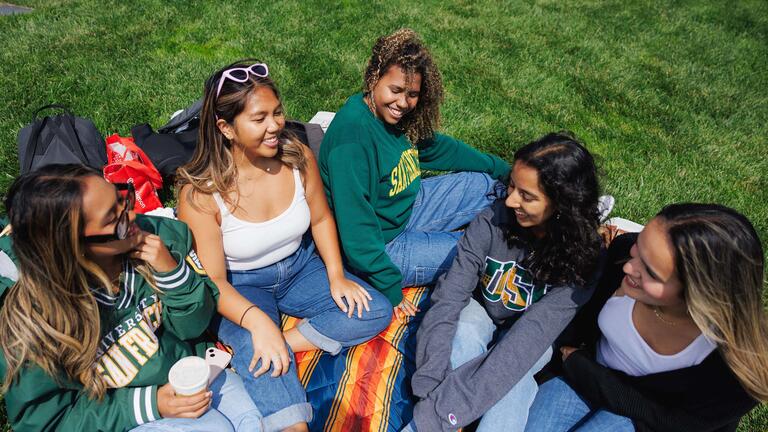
(127, 163)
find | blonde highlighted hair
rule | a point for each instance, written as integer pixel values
(50, 316)
(719, 261)
(212, 168)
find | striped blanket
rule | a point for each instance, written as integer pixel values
(366, 387)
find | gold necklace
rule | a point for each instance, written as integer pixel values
(658, 314)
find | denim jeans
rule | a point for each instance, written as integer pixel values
(298, 286)
(474, 333)
(426, 247)
(558, 407)
(231, 410)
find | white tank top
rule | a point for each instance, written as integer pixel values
(253, 245)
(622, 348)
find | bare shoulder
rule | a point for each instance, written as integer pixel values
(311, 171)
(309, 156)
(195, 204)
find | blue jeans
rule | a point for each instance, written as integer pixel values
(558, 407)
(298, 286)
(426, 247)
(474, 333)
(231, 410)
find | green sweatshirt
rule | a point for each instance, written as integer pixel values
(143, 335)
(372, 173)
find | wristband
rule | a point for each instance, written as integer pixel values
(245, 312)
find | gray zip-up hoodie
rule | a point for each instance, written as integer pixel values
(536, 313)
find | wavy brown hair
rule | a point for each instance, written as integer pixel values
(212, 168)
(720, 263)
(405, 49)
(50, 316)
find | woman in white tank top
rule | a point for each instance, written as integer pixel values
(253, 198)
(679, 330)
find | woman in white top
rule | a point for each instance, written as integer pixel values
(253, 198)
(681, 331)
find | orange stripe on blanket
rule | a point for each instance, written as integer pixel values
(305, 361)
(363, 398)
(414, 295)
(364, 394)
(365, 388)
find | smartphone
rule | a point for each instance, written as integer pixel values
(217, 360)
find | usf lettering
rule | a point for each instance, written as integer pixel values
(511, 284)
(406, 171)
(125, 348)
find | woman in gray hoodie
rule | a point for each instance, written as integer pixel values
(523, 268)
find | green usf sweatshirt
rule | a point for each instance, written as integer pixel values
(143, 334)
(372, 173)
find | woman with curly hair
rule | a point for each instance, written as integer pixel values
(675, 337)
(523, 268)
(396, 229)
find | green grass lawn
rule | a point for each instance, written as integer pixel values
(672, 96)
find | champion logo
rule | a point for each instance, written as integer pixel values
(452, 419)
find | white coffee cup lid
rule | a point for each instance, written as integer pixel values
(189, 375)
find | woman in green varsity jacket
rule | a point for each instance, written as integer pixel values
(103, 306)
(396, 229)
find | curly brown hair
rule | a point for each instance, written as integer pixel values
(405, 49)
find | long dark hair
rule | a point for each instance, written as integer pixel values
(568, 175)
(719, 262)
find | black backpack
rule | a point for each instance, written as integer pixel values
(174, 143)
(62, 138)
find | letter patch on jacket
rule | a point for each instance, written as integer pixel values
(195, 263)
(130, 344)
(511, 284)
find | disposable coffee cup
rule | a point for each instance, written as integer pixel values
(189, 376)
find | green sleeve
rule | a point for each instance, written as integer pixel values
(35, 401)
(352, 184)
(188, 295)
(6, 248)
(445, 153)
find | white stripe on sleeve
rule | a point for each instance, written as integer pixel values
(137, 405)
(178, 282)
(172, 276)
(148, 404)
